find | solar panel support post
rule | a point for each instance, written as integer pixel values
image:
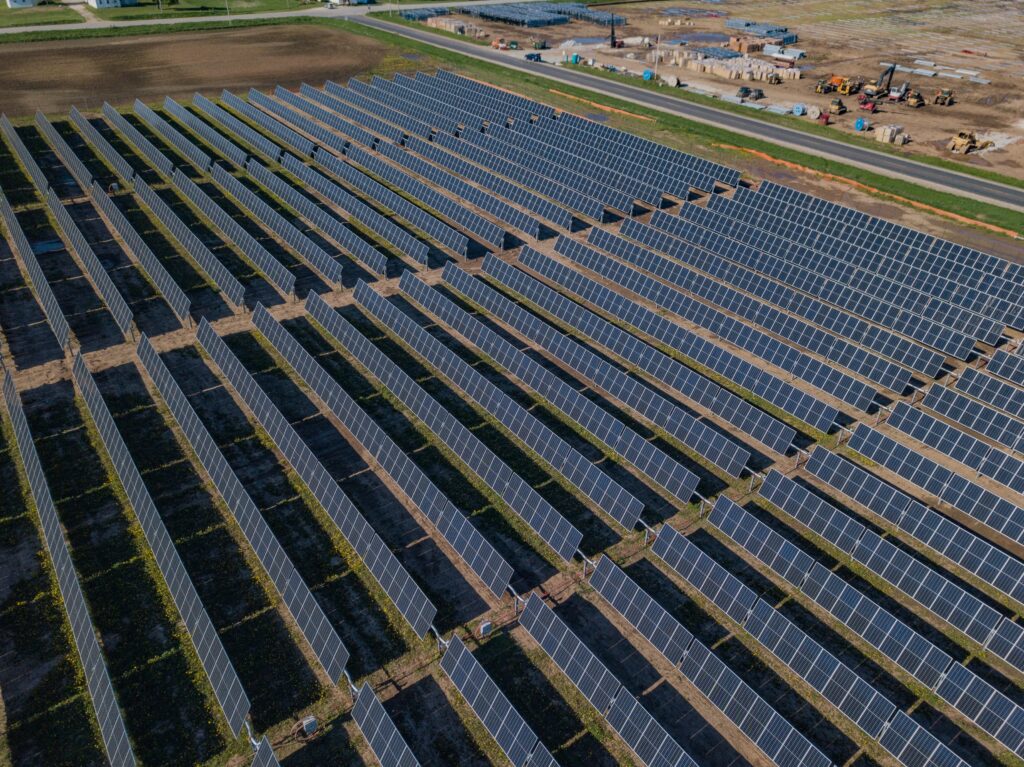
(649, 531)
(887, 410)
(517, 601)
(802, 456)
(842, 430)
(351, 685)
(442, 643)
(252, 738)
(754, 477)
(586, 562)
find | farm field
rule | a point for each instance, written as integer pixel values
(416, 406)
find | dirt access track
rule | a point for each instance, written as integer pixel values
(149, 67)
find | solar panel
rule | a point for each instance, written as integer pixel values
(265, 755)
(349, 131)
(779, 554)
(998, 394)
(456, 529)
(960, 493)
(703, 440)
(153, 156)
(1007, 366)
(54, 316)
(597, 485)
(405, 122)
(232, 124)
(154, 270)
(652, 620)
(503, 722)
(380, 732)
(885, 373)
(112, 157)
(174, 137)
(648, 458)
(709, 577)
(984, 705)
(747, 375)
(522, 499)
(226, 148)
(316, 256)
(816, 514)
(327, 109)
(308, 615)
(644, 735)
(111, 297)
(246, 243)
(976, 416)
(298, 143)
(912, 744)
(234, 703)
(762, 427)
(190, 243)
(27, 161)
(97, 678)
(65, 153)
(815, 372)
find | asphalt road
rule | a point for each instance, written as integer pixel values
(879, 162)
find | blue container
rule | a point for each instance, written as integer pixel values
(648, 74)
(861, 124)
(799, 110)
(575, 58)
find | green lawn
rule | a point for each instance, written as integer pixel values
(41, 14)
(150, 9)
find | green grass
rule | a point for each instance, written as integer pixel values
(151, 9)
(41, 14)
(395, 18)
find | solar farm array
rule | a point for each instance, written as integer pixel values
(488, 433)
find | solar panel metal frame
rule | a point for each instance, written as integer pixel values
(298, 143)
(101, 693)
(112, 157)
(234, 703)
(306, 611)
(154, 156)
(320, 135)
(35, 173)
(67, 156)
(260, 143)
(522, 499)
(228, 149)
(380, 732)
(174, 137)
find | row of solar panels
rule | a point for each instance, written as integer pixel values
(975, 698)
(23, 155)
(77, 168)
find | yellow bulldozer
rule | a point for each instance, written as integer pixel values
(849, 86)
(966, 142)
(944, 97)
(915, 99)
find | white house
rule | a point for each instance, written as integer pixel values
(111, 3)
(22, 3)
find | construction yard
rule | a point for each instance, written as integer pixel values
(409, 419)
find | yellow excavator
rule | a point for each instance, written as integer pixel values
(880, 88)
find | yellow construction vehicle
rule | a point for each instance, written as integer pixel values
(849, 86)
(837, 107)
(965, 142)
(915, 99)
(944, 97)
(824, 86)
(880, 88)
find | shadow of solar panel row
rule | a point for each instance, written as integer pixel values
(837, 683)
(410, 600)
(54, 316)
(974, 554)
(155, 271)
(468, 543)
(97, 678)
(225, 683)
(299, 143)
(769, 387)
(951, 304)
(594, 483)
(983, 458)
(146, 148)
(348, 130)
(309, 616)
(318, 258)
(1009, 367)
(318, 217)
(454, 211)
(228, 122)
(624, 441)
(354, 119)
(320, 134)
(522, 499)
(24, 156)
(357, 101)
(640, 731)
(515, 738)
(111, 297)
(493, 111)
(393, 235)
(971, 289)
(731, 695)
(901, 237)
(726, 405)
(976, 416)
(67, 156)
(567, 196)
(459, 82)
(380, 732)
(265, 755)
(998, 394)
(959, 492)
(245, 242)
(110, 155)
(187, 239)
(874, 368)
(414, 215)
(906, 352)
(228, 149)
(174, 137)
(706, 442)
(607, 196)
(479, 198)
(522, 197)
(911, 325)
